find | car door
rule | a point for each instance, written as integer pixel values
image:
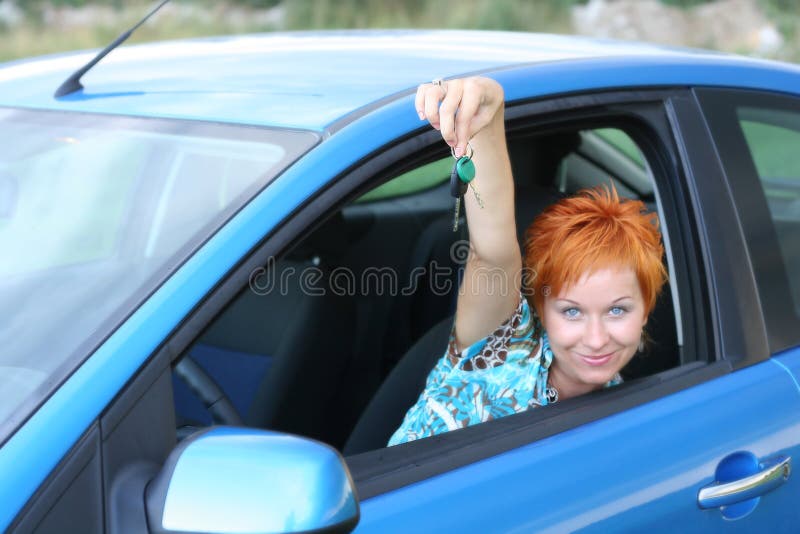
(639, 456)
(756, 135)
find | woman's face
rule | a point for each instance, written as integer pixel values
(594, 328)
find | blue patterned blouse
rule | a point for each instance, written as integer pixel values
(502, 374)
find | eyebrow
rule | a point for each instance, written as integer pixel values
(578, 303)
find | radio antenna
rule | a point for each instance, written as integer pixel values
(73, 83)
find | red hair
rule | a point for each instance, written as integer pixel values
(592, 230)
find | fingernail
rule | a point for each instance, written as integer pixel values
(459, 151)
(421, 115)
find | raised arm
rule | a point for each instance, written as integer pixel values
(471, 110)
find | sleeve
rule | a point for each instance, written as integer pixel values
(434, 412)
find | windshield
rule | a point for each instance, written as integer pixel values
(95, 212)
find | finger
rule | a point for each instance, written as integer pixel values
(433, 95)
(419, 100)
(470, 102)
(447, 111)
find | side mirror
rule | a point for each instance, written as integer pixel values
(230, 479)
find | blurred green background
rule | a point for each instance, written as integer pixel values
(766, 28)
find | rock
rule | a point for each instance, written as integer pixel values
(222, 14)
(10, 13)
(727, 25)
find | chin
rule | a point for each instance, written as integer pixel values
(597, 379)
(599, 376)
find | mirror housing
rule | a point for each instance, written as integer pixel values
(230, 479)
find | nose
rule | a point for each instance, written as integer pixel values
(595, 337)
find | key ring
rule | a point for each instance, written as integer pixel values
(467, 153)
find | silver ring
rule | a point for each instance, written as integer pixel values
(468, 153)
(439, 82)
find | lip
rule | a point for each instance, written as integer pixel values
(596, 361)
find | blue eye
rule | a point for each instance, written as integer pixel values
(616, 311)
(571, 313)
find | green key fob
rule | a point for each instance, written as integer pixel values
(465, 169)
(460, 180)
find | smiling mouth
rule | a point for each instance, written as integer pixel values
(597, 360)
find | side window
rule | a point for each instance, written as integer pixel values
(757, 136)
(773, 137)
(304, 345)
(320, 339)
(415, 181)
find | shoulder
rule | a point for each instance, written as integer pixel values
(516, 338)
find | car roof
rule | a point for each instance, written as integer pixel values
(306, 80)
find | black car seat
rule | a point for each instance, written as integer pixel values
(399, 391)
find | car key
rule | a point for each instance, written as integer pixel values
(458, 188)
(461, 179)
(466, 172)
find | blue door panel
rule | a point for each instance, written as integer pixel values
(790, 360)
(638, 469)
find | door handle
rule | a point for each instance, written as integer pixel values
(773, 474)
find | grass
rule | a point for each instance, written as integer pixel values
(199, 18)
(513, 15)
(35, 38)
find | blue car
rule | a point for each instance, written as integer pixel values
(229, 264)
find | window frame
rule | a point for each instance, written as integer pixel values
(642, 115)
(382, 470)
(774, 303)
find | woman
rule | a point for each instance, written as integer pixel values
(594, 269)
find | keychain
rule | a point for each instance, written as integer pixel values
(461, 179)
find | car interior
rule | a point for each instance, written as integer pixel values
(334, 339)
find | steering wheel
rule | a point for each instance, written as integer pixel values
(215, 400)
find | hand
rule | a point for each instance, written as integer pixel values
(461, 108)
(471, 109)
